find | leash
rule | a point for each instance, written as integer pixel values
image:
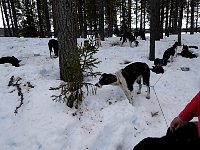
(160, 106)
(153, 87)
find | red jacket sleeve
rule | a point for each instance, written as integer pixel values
(192, 109)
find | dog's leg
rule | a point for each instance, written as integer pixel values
(129, 95)
(140, 85)
(130, 43)
(175, 52)
(172, 58)
(148, 92)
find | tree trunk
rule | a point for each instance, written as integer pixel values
(47, 20)
(129, 14)
(101, 19)
(41, 26)
(4, 25)
(154, 8)
(67, 40)
(14, 18)
(187, 19)
(6, 17)
(167, 18)
(11, 18)
(180, 21)
(162, 19)
(136, 14)
(192, 17)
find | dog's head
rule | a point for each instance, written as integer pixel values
(106, 79)
(185, 47)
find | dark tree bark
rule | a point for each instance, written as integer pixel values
(175, 20)
(67, 40)
(154, 12)
(136, 14)
(167, 18)
(187, 19)
(84, 21)
(40, 18)
(144, 20)
(16, 29)
(11, 18)
(162, 19)
(53, 4)
(192, 17)
(141, 11)
(129, 13)
(6, 17)
(171, 15)
(4, 24)
(80, 17)
(180, 21)
(47, 20)
(101, 19)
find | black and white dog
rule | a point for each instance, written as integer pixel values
(126, 77)
(186, 53)
(130, 37)
(170, 52)
(10, 59)
(53, 46)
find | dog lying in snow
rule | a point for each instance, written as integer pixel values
(126, 77)
(10, 59)
(186, 53)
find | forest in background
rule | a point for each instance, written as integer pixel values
(36, 18)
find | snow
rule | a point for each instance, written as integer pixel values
(106, 120)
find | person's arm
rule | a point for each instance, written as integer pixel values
(190, 111)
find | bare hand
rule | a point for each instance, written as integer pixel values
(176, 123)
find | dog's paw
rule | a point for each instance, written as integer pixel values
(147, 97)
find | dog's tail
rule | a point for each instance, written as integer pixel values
(196, 47)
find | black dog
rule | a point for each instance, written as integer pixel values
(186, 53)
(141, 34)
(12, 60)
(126, 77)
(157, 69)
(130, 37)
(170, 52)
(184, 138)
(159, 62)
(53, 44)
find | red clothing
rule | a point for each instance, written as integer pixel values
(191, 110)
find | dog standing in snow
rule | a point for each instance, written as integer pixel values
(53, 46)
(97, 40)
(126, 77)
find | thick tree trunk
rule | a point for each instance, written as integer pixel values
(154, 8)
(67, 40)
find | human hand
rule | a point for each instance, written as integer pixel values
(176, 123)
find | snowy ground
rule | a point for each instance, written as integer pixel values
(107, 120)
